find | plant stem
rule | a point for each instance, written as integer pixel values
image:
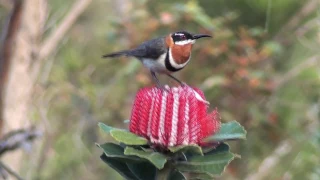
(10, 171)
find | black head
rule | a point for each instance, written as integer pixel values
(183, 36)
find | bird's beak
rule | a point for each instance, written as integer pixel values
(198, 36)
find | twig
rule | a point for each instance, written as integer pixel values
(10, 171)
(266, 26)
(286, 147)
(306, 10)
(312, 61)
(50, 44)
(308, 26)
(53, 40)
(16, 139)
(271, 161)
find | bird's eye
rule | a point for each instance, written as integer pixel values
(183, 37)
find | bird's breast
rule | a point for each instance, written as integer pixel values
(156, 65)
(181, 54)
(178, 57)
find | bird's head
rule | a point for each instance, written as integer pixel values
(180, 45)
(184, 38)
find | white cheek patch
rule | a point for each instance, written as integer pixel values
(189, 41)
(174, 64)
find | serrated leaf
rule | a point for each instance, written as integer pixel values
(119, 166)
(143, 170)
(176, 175)
(105, 127)
(112, 150)
(194, 149)
(228, 131)
(155, 158)
(214, 164)
(127, 137)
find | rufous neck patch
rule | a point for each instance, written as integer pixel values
(181, 54)
(169, 41)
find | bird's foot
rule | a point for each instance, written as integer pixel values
(183, 84)
(165, 88)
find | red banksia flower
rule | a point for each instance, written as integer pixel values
(174, 117)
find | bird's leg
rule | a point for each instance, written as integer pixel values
(154, 77)
(180, 82)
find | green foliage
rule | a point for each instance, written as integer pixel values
(176, 175)
(202, 176)
(211, 164)
(141, 161)
(123, 136)
(115, 151)
(194, 149)
(143, 170)
(131, 170)
(105, 127)
(128, 137)
(229, 131)
(120, 167)
(157, 159)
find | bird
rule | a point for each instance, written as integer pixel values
(163, 55)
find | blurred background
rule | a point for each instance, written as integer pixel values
(262, 68)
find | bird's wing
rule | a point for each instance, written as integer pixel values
(150, 49)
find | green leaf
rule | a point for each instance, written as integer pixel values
(143, 170)
(155, 158)
(194, 149)
(213, 164)
(105, 127)
(176, 175)
(119, 166)
(146, 149)
(111, 149)
(127, 137)
(200, 176)
(228, 131)
(115, 151)
(222, 147)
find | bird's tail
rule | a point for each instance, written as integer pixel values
(116, 54)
